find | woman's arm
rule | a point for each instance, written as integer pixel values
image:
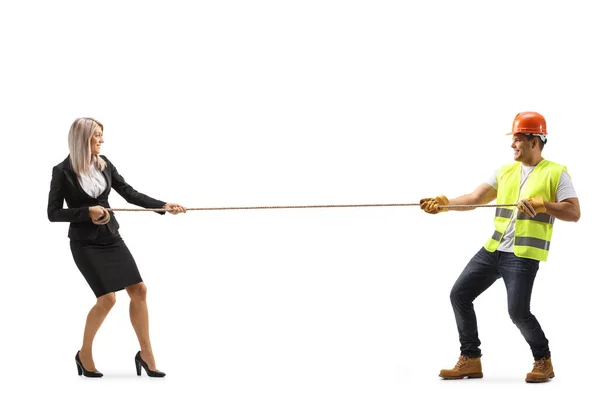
(56, 212)
(129, 193)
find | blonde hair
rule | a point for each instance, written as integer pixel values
(80, 136)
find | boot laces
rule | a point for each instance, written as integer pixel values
(539, 365)
(462, 360)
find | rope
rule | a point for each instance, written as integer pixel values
(106, 217)
(314, 206)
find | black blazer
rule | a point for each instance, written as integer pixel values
(65, 187)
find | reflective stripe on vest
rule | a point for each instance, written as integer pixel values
(532, 234)
(506, 213)
(525, 241)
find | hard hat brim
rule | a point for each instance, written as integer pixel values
(542, 136)
(525, 133)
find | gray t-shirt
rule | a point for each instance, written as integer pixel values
(565, 190)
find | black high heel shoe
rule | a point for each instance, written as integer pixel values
(139, 363)
(85, 372)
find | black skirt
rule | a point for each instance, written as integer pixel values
(105, 263)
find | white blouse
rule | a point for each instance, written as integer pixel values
(93, 182)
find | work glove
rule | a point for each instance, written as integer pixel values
(532, 206)
(431, 205)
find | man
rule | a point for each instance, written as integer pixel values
(543, 191)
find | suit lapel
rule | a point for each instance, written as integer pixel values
(73, 180)
(106, 176)
(69, 173)
(72, 177)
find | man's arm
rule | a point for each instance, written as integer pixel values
(566, 210)
(482, 195)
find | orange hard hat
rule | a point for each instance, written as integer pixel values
(529, 122)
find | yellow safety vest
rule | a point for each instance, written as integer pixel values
(532, 235)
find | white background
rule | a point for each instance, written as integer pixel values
(248, 103)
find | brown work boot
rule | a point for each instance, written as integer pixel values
(542, 371)
(466, 367)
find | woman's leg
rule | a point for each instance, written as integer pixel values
(94, 320)
(138, 312)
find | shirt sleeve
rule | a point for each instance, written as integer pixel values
(493, 180)
(565, 189)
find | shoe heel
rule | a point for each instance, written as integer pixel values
(139, 363)
(476, 375)
(83, 371)
(551, 375)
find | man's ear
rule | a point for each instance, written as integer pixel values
(535, 142)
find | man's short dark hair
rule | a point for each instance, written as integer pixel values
(539, 140)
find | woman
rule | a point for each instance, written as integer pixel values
(84, 180)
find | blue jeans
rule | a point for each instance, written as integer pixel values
(479, 274)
